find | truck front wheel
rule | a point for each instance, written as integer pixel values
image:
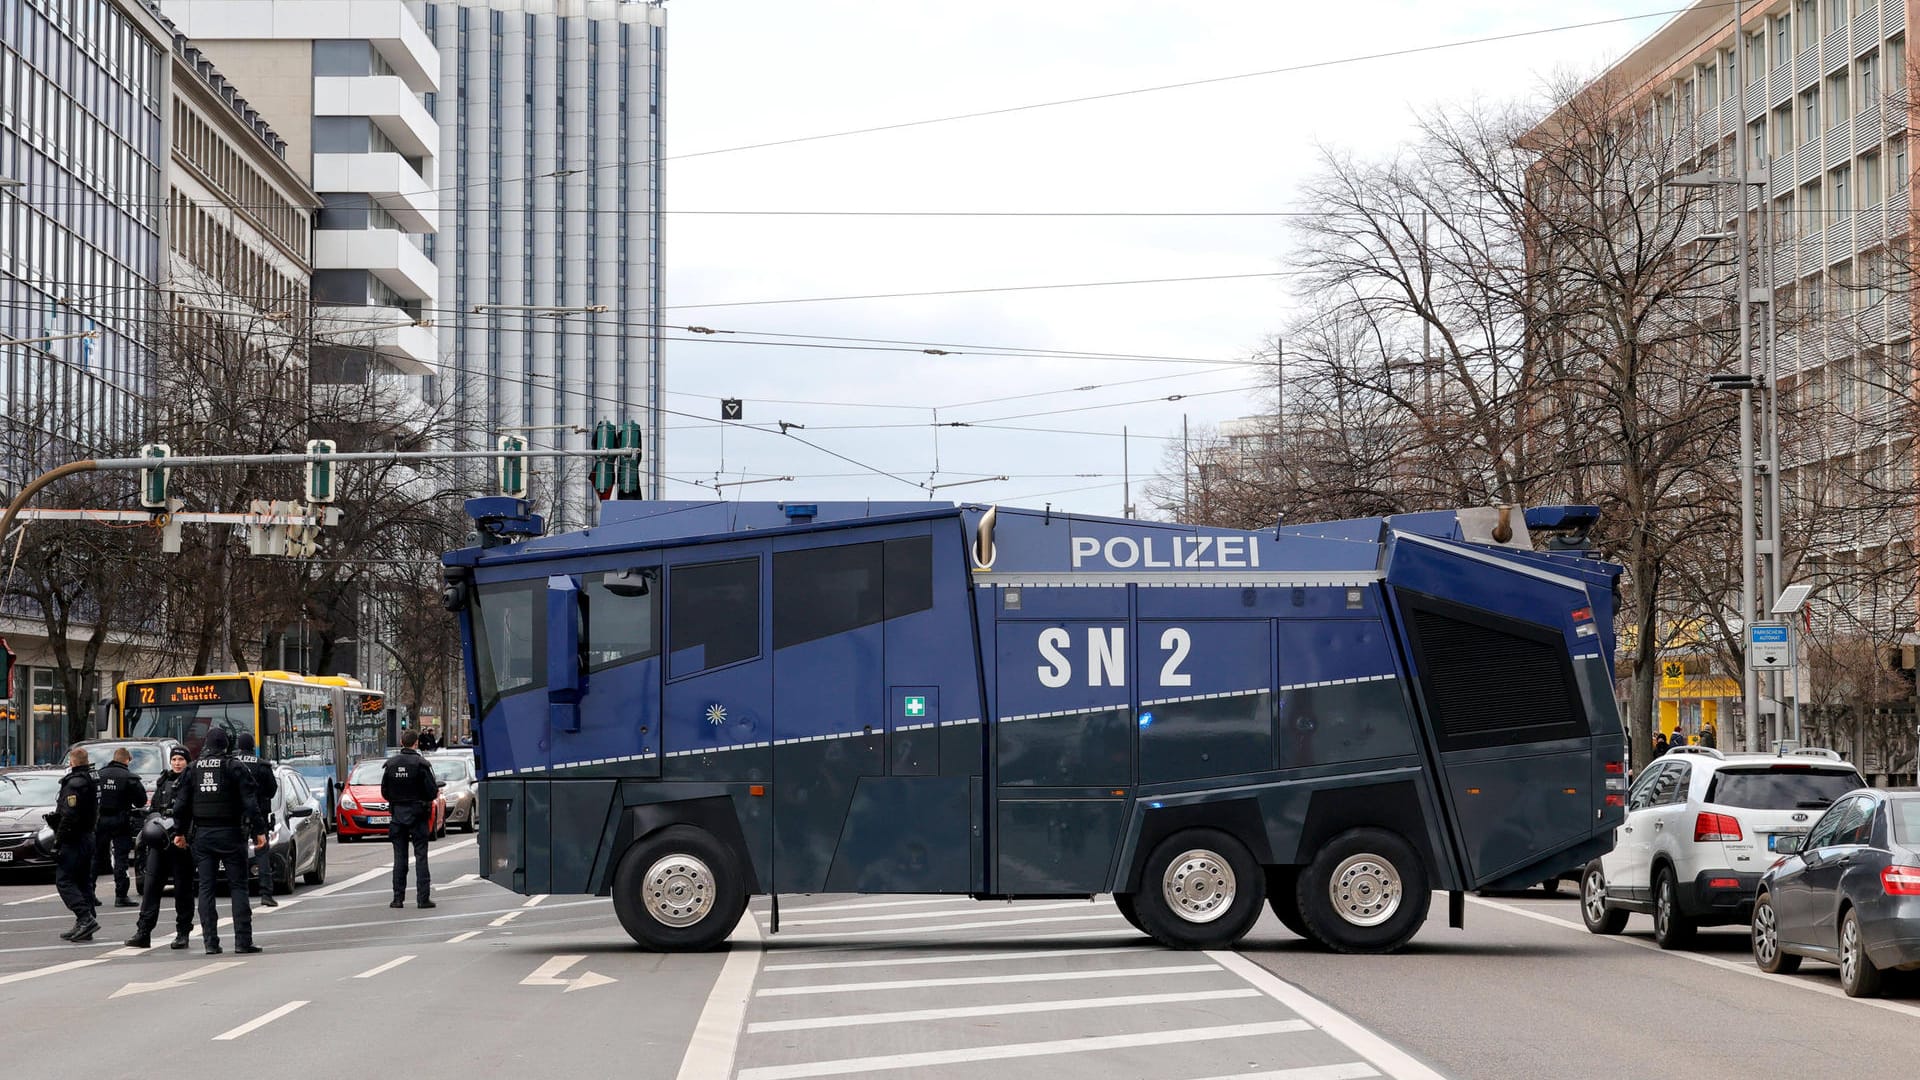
(1366, 891)
(1199, 889)
(679, 890)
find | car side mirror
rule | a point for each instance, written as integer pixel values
(1790, 845)
(300, 811)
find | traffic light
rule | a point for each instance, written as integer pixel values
(153, 482)
(513, 470)
(605, 437)
(320, 473)
(628, 471)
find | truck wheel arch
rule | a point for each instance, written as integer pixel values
(1239, 818)
(713, 814)
(1394, 807)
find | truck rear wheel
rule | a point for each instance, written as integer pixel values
(1366, 891)
(679, 890)
(1199, 889)
(1282, 897)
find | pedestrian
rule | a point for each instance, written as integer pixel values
(1708, 738)
(76, 814)
(1659, 743)
(408, 784)
(264, 785)
(429, 742)
(122, 798)
(216, 802)
(165, 863)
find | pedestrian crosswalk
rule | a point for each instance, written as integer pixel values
(933, 988)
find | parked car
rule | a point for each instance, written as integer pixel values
(297, 836)
(1701, 828)
(149, 756)
(27, 794)
(457, 787)
(1847, 893)
(363, 811)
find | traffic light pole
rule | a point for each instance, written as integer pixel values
(132, 464)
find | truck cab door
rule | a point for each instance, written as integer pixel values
(618, 722)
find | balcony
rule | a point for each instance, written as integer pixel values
(387, 99)
(387, 253)
(411, 349)
(389, 179)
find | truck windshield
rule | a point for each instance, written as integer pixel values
(510, 647)
(1781, 787)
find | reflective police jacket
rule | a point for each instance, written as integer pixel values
(216, 791)
(264, 782)
(76, 810)
(121, 795)
(408, 784)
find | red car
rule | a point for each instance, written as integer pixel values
(363, 812)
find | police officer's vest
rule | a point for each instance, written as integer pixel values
(116, 793)
(216, 791)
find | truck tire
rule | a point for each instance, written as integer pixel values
(1129, 910)
(679, 890)
(1199, 889)
(1284, 900)
(1366, 891)
(1594, 911)
(1671, 929)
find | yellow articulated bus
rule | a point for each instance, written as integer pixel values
(317, 724)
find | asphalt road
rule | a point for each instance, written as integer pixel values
(493, 984)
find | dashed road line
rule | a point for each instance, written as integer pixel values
(989, 980)
(32, 900)
(258, 1022)
(386, 967)
(55, 969)
(534, 901)
(508, 917)
(1008, 1009)
(458, 938)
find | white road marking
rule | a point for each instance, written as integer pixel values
(35, 918)
(549, 974)
(388, 966)
(1392, 1060)
(988, 980)
(458, 938)
(1710, 961)
(329, 890)
(1352, 1070)
(810, 909)
(534, 901)
(508, 917)
(1069, 1005)
(911, 915)
(71, 965)
(33, 899)
(932, 1058)
(173, 982)
(829, 935)
(961, 958)
(258, 1022)
(716, 1037)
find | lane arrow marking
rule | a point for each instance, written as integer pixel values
(548, 974)
(174, 982)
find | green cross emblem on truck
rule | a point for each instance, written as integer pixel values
(916, 707)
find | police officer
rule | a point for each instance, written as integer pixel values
(76, 812)
(165, 863)
(122, 797)
(264, 785)
(215, 803)
(408, 784)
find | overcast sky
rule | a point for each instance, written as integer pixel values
(751, 71)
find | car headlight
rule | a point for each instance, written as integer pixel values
(346, 801)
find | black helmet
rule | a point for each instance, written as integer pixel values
(216, 742)
(47, 841)
(154, 832)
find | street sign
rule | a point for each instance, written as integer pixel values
(731, 409)
(1673, 675)
(1769, 647)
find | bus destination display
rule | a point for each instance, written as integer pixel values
(197, 692)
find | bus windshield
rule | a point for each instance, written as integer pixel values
(188, 723)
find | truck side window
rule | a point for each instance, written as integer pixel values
(909, 575)
(819, 592)
(618, 628)
(510, 641)
(714, 617)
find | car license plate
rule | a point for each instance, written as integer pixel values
(380, 820)
(6, 856)
(1773, 839)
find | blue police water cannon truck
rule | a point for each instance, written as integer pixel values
(693, 703)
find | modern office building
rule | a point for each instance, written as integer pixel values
(347, 84)
(551, 138)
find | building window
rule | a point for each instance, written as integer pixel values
(1782, 40)
(1784, 226)
(1810, 115)
(1806, 17)
(1782, 122)
(1836, 15)
(1866, 80)
(1837, 111)
(1896, 66)
(1709, 86)
(1756, 57)
(1897, 163)
(1840, 194)
(1870, 184)
(1810, 209)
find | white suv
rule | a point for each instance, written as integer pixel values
(1700, 830)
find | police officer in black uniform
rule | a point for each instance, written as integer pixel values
(216, 807)
(409, 786)
(76, 812)
(122, 797)
(165, 863)
(264, 784)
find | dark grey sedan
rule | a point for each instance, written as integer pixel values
(1847, 893)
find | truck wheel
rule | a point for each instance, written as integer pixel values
(1200, 889)
(1284, 900)
(679, 890)
(1600, 918)
(1366, 891)
(1129, 910)
(1671, 929)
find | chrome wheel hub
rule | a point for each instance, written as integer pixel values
(1198, 886)
(1849, 952)
(1365, 889)
(1595, 890)
(1766, 934)
(678, 890)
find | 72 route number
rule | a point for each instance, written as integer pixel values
(1106, 656)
